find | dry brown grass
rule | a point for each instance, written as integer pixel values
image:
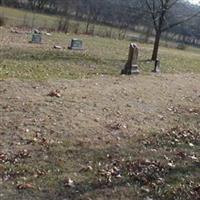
(97, 121)
(22, 60)
(53, 130)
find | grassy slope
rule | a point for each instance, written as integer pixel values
(102, 55)
(98, 129)
(15, 17)
(19, 59)
(56, 152)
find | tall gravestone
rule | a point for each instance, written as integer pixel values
(131, 66)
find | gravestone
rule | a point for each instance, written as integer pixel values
(36, 38)
(76, 44)
(156, 67)
(131, 66)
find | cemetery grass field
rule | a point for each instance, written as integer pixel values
(15, 17)
(72, 128)
(22, 60)
(22, 18)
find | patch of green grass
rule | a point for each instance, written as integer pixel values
(102, 56)
(45, 65)
(23, 18)
(15, 17)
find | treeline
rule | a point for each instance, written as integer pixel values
(124, 14)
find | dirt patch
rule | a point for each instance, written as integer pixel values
(96, 110)
(45, 138)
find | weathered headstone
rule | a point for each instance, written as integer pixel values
(131, 66)
(156, 67)
(36, 38)
(76, 44)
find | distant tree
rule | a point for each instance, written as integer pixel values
(38, 4)
(139, 15)
(2, 2)
(64, 18)
(92, 11)
(160, 15)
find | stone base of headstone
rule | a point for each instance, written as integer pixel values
(156, 70)
(156, 67)
(129, 71)
(75, 48)
(135, 69)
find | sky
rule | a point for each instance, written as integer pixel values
(194, 1)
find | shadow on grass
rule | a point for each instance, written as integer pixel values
(74, 155)
(92, 186)
(83, 188)
(172, 178)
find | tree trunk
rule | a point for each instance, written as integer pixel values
(2, 2)
(156, 45)
(87, 26)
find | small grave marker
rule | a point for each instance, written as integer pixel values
(36, 38)
(156, 67)
(76, 44)
(131, 66)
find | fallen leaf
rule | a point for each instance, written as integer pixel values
(24, 186)
(69, 183)
(54, 93)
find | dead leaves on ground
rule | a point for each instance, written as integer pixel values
(174, 137)
(172, 154)
(14, 157)
(150, 174)
(3, 157)
(143, 171)
(184, 110)
(116, 126)
(54, 93)
(69, 183)
(25, 186)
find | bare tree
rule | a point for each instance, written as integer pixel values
(2, 2)
(93, 10)
(159, 11)
(64, 18)
(38, 4)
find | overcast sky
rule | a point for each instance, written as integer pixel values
(194, 1)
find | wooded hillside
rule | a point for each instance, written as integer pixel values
(124, 14)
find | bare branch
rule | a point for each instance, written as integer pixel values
(181, 21)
